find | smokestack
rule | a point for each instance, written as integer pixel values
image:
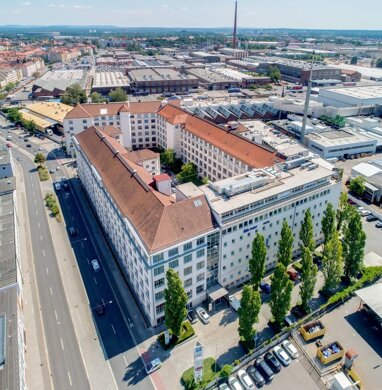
(234, 28)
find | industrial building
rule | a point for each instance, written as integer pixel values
(212, 80)
(104, 82)
(205, 57)
(244, 80)
(234, 53)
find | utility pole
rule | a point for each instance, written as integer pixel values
(307, 99)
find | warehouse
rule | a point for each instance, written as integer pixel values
(104, 82)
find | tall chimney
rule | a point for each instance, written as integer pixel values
(234, 27)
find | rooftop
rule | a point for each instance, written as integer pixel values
(372, 296)
(141, 155)
(157, 74)
(338, 137)
(362, 93)
(50, 110)
(110, 79)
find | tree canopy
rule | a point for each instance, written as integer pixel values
(306, 231)
(39, 158)
(378, 63)
(257, 260)
(97, 98)
(188, 173)
(274, 74)
(308, 277)
(285, 245)
(73, 95)
(328, 223)
(250, 305)
(118, 95)
(332, 262)
(357, 185)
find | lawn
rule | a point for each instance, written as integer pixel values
(210, 372)
(186, 332)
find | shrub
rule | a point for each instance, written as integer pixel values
(186, 332)
(43, 173)
(226, 371)
(210, 372)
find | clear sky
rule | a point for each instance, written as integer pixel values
(326, 14)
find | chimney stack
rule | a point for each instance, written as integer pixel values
(234, 40)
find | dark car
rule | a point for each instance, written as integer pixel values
(192, 317)
(73, 231)
(371, 218)
(26, 139)
(265, 287)
(272, 362)
(100, 310)
(256, 376)
(297, 312)
(264, 369)
(29, 145)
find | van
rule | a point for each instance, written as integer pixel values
(49, 131)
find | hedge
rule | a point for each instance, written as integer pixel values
(51, 203)
(43, 173)
(187, 331)
(211, 371)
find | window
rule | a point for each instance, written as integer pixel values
(200, 253)
(158, 258)
(187, 271)
(200, 241)
(188, 282)
(200, 277)
(159, 295)
(159, 308)
(200, 265)
(173, 252)
(159, 283)
(187, 247)
(187, 258)
(159, 270)
(199, 289)
(174, 264)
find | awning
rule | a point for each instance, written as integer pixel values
(216, 292)
(372, 296)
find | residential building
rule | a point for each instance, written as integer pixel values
(29, 68)
(63, 54)
(147, 159)
(9, 76)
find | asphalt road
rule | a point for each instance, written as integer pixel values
(66, 365)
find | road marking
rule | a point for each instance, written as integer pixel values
(40, 237)
(82, 244)
(55, 314)
(70, 379)
(88, 260)
(125, 360)
(47, 271)
(62, 344)
(43, 252)
(103, 302)
(36, 212)
(95, 280)
(112, 327)
(38, 224)
(33, 191)
(51, 291)
(35, 202)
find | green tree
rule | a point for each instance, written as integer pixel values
(97, 98)
(118, 95)
(226, 371)
(175, 302)
(10, 86)
(29, 125)
(332, 262)
(378, 63)
(248, 312)
(188, 173)
(353, 244)
(274, 74)
(257, 260)
(281, 292)
(328, 223)
(308, 277)
(285, 245)
(343, 211)
(14, 115)
(167, 158)
(306, 231)
(73, 95)
(357, 185)
(354, 60)
(39, 159)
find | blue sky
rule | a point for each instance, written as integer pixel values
(337, 14)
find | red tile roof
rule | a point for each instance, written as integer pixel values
(244, 150)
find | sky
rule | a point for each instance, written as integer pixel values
(314, 14)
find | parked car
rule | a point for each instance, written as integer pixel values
(245, 380)
(371, 218)
(293, 274)
(73, 231)
(378, 224)
(95, 265)
(297, 312)
(9, 145)
(100, 309)
(153, 365)
(265, 287)
(9, 138)
(223, 386)
(281, 355)
(234, 302)
(290, 320)
(57, 186)
(202, 314)
(272, 362)
(51, 170)
(29, 145)
(264, 369)
(256, 376)
(26, 139)
(191, 316)
(290, 348)
(234, 384)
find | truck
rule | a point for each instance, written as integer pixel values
(312, 330)
(330, 352)
(49, 131)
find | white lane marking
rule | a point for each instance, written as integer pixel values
(103, 302)
(35, 202)
(95, 280)
(112, 327)
(43, 252)
(88, 260)
(82, 244)
(51, 291)
(47, 271)
(40, 237)
(62, 344)
(36, 212)
(125, 360)
(70, 379)
(55, 314)
(33, 191)
(38, 224)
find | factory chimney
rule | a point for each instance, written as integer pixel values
(234, 40)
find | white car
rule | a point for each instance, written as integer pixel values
(290, 348)
(153, 365)
(202, 314)
(364, 213)
(234, 302)
(245, 380)
(234, 384)
(95, 265)
(281, 355)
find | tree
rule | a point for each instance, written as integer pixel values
(10, 86)
(14, 115)
(328, 223)
(226, 371)
(274, 74)
(285, 245)
(281, 292)
(73, 95)
(39, 159)
(118, 95)
(353, 245)
(248, 312)
(357, 185)
(167, 158)
(343, 211)
(378, 63)
(332, 262)
(308, 277)
(306, 232)
(257, 260)
(97, 97)
(29, 125)
(188, 173)
(175, 302)
(354, 60)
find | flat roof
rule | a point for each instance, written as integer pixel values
(372, 296)
(51, 110)
(208, 76)
(110, 79)
(40, 123)
(158, 74)
(361, 92)
(338, 137)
